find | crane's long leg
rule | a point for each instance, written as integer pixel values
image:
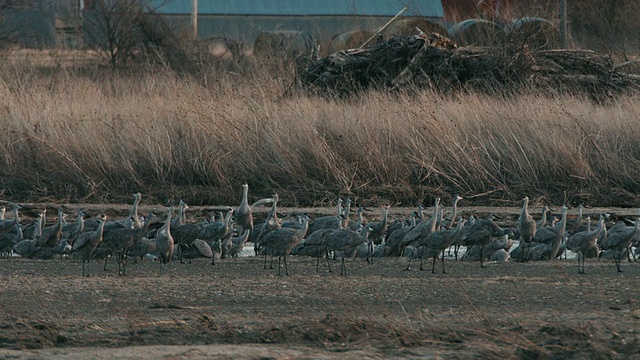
(580, 267)
(286, 268)
(278, 265)
(343, 268)
(619, 261)
(482, 256)
(409, 264)
(328, 262)
(443, 271)
(433, 266)
(124, 262)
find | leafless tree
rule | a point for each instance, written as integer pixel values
(114, 28)
(8, 29)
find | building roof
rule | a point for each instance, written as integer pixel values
(427, 8)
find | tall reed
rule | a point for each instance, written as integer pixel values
(93, 135)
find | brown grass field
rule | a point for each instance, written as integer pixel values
(79, 133)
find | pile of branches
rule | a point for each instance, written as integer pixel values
(432, 61)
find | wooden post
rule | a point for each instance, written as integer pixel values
(563, 24)
(194, 18)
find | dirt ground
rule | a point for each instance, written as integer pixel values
(238, 310)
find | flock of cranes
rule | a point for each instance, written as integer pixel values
(337, 236)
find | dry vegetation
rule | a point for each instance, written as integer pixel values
(95, 135)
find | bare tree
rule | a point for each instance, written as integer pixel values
(9, 29)
(113, 27)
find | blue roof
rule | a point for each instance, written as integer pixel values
(427, 8)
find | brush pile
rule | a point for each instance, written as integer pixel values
(433, 61)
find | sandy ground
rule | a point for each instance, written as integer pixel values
(237, 309)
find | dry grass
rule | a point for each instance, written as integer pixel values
(91, 135)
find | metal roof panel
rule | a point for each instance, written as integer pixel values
(427, 8)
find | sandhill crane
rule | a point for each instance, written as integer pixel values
(281, 241)
(199, 249)
(421, 230)
(421, 213)
(235, 244)
(216, 232)
(51, 235)
(9, 240)
(118, 241)
(493, 247)
(133, 215)
(164, 241)
(345, 215)
(582, 226)
(436, 242)
(86, 244)
(526, 226)
(184, 235)
(8, 225)
(25, 248)
(482, 232)
(574, 224)
(62, 248)
(552, 235)
(271, 223)
(502, 254)
(543, 219)
(602, 237)
(394, 243)
(141, 248)
(378, 228)
(448, 223)
(584, 241)
(70, 232)
(376, 231)
(181, 219)
(327, 222)
(244, 215)
(314, 245)
(360, 223)
(294, 223)
(345, 241)
(34, 230)
(620, 241)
